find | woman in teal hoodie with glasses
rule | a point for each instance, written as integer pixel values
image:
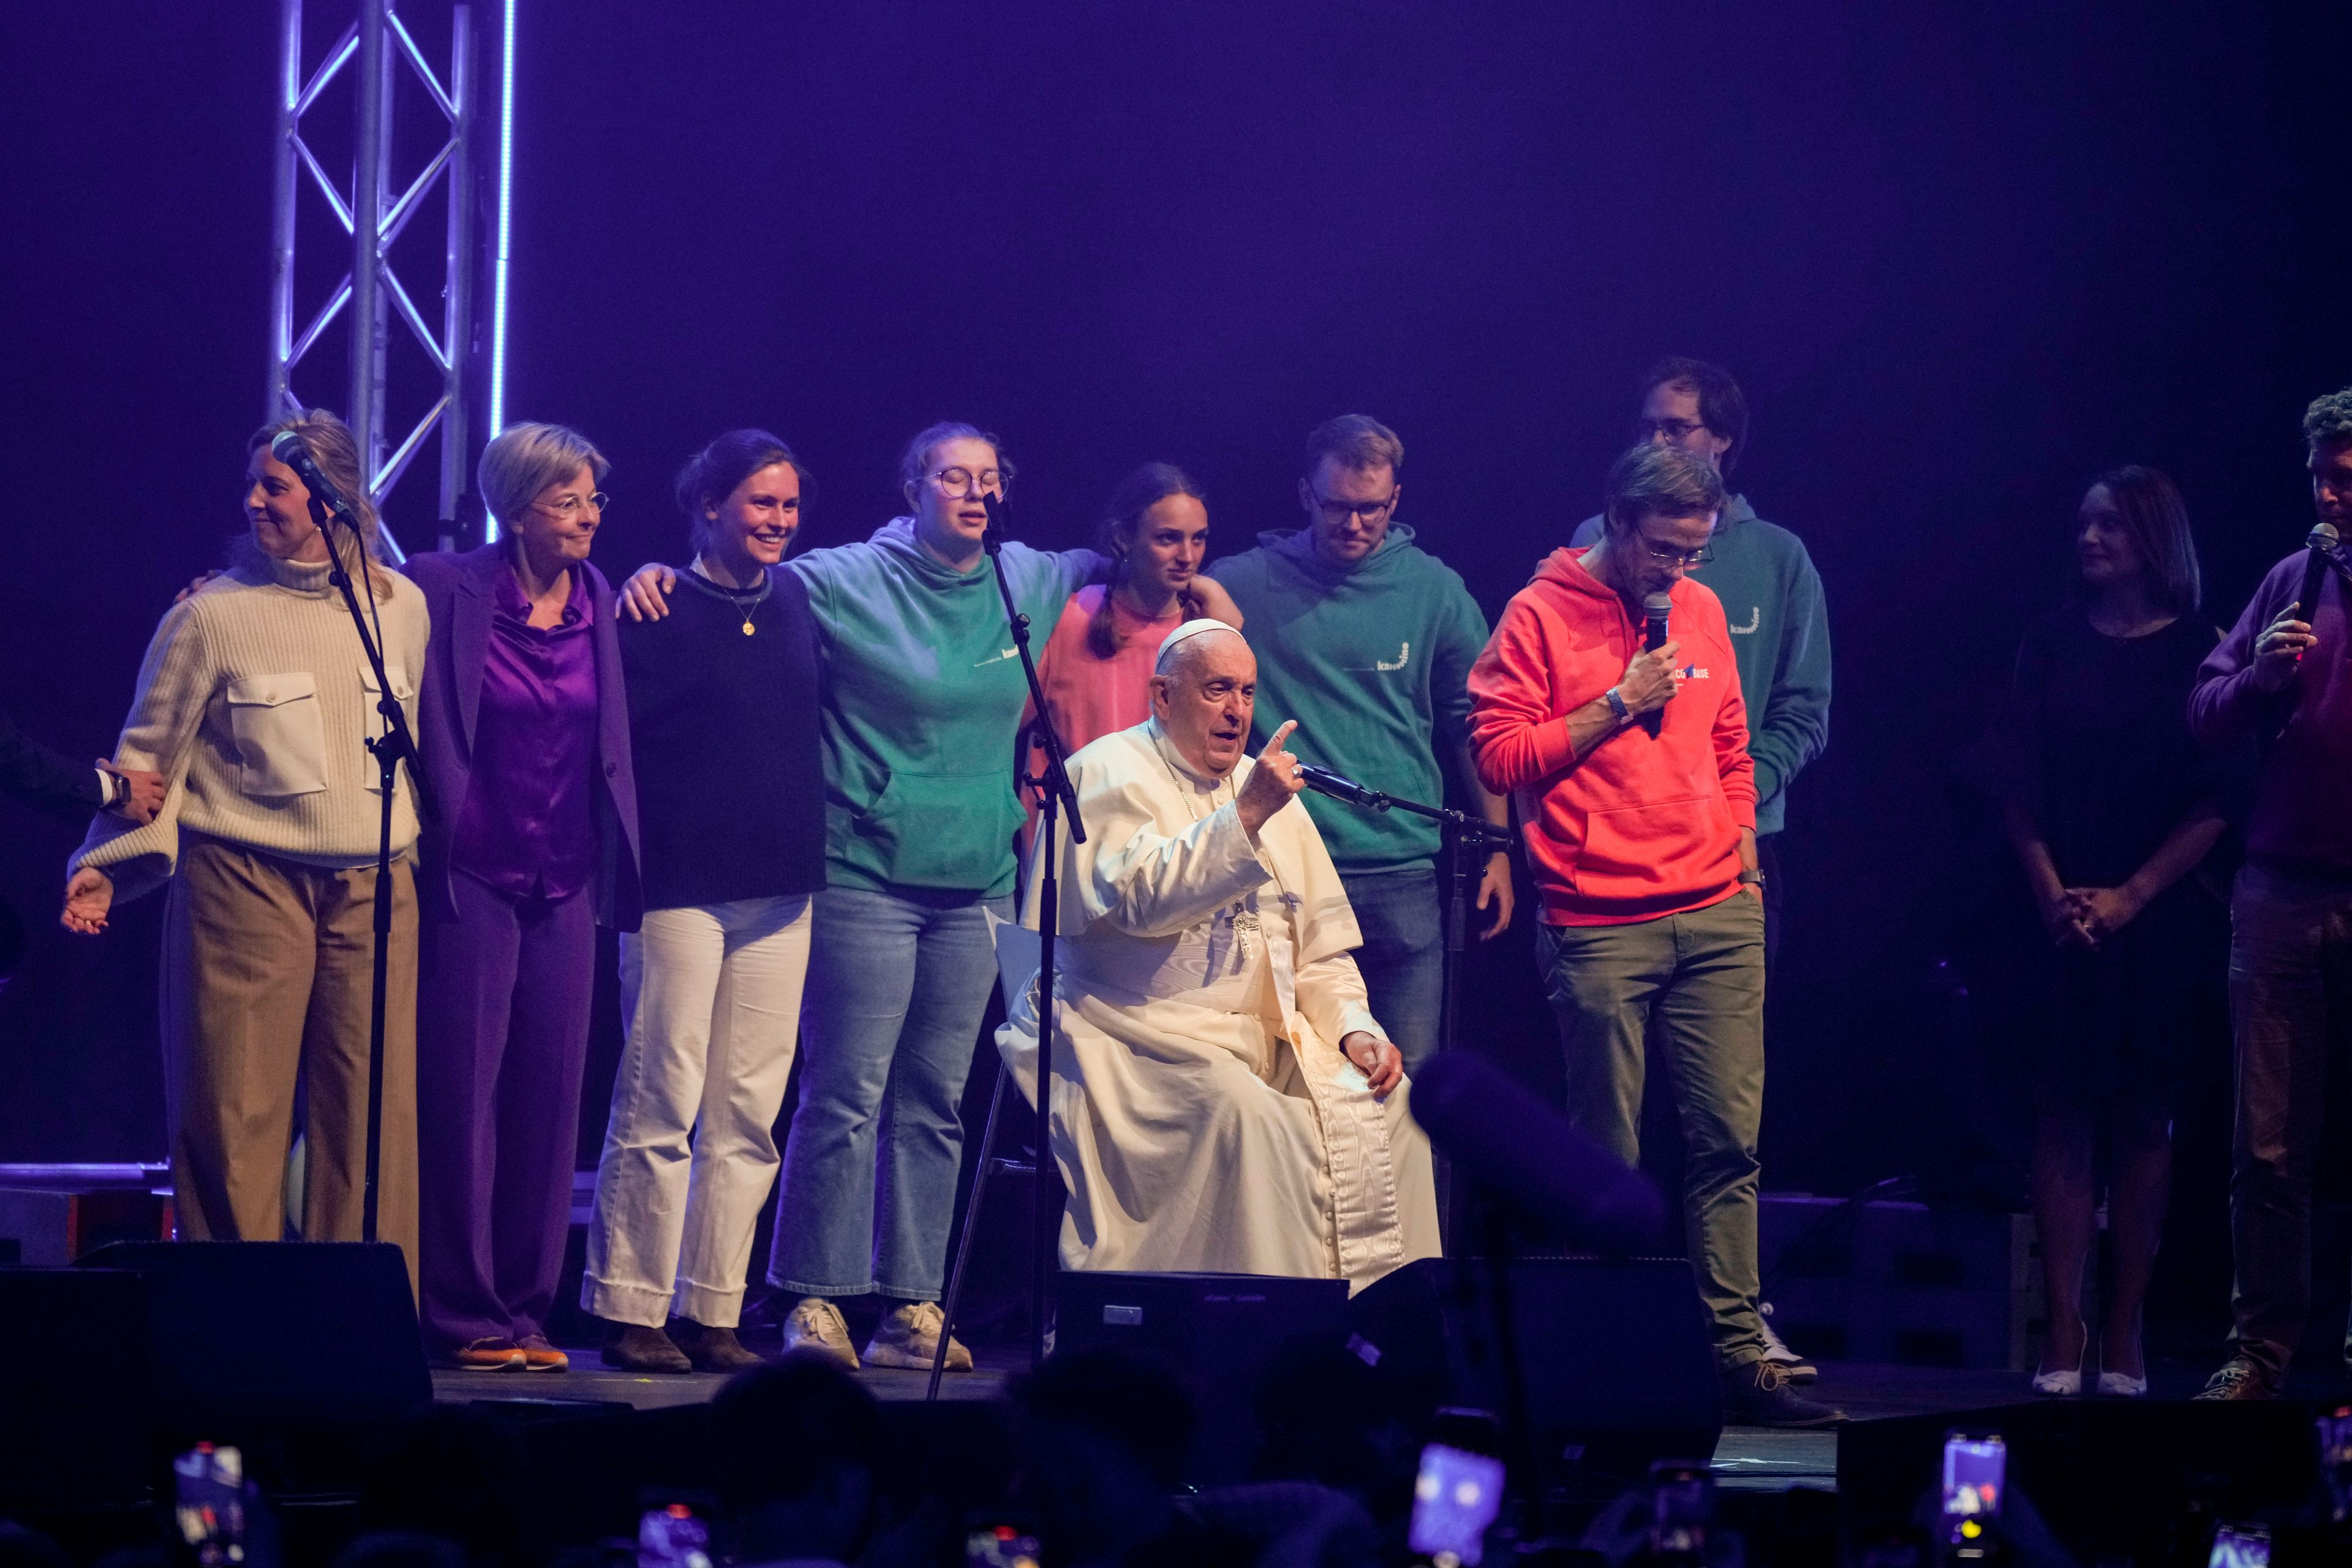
(924, 694)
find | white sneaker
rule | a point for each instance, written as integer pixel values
(816, 1325)
(909, 1337)
(1796, 1367)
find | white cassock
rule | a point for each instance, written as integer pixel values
(1205, 1118)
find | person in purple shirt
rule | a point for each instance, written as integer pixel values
(2286, 682)
(532, 844)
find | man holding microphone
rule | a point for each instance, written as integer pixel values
(2284, 675)
(1637, 797)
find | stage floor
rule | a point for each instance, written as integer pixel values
(1749, 1459)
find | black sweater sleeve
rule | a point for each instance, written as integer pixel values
(44, 776)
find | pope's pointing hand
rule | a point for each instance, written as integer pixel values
(1271, 783)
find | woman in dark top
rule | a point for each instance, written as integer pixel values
(2110, 806)
(723, 696)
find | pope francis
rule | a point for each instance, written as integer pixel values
(1223, 1099)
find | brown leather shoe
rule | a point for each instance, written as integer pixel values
(635, 1347)
(489, 1355)
(2239, 1379)
(539, 1354)
(715, 1349)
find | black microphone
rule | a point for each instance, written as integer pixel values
(1323, 781)
(1653, 636)
(1525, 1155)
(2321, 543)
(289, 450)
(1000, 518)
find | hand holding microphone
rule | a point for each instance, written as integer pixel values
(1648, 683)
(2281, 646)
(1654, 641)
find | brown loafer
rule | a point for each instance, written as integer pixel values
(489, 1355)
(715, 1349)
(539, 1354)
(633, 1347)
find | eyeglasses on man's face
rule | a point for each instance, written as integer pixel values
(570, 506)
(1673, 431)
(1666, 555)
(1341, 511)
(961, 484)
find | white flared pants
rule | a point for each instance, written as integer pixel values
(712, 996)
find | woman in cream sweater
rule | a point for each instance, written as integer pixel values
(255, 703)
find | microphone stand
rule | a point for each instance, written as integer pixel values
(392, 748)
(1458, 830)
(1053, 784)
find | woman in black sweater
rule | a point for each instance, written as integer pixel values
(723, 696)
(2110, 806)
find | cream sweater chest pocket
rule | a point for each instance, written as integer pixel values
(402, 687)
(281, 743)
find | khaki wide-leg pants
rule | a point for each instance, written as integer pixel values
(268, 967)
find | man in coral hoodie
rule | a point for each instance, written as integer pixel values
(1638, 800)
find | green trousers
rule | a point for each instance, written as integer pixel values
(1700, 977)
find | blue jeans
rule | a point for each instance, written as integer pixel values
(1404, 956)
(897, 983)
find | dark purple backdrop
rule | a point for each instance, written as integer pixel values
(1960, 261)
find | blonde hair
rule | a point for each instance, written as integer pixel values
(524, 459)
(333, 447)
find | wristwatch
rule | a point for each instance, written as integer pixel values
(1751, 879)
(1616, 700)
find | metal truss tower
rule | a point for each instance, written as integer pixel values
(374, 208)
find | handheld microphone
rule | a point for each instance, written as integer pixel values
(1526, 1156)
(2321, 543)
(1323, 781)
(1000, 519)
(1653, 636)
(289, 450)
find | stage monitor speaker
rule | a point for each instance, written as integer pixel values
(1215, 1333)
(1615, 1355)
(257, 1338)
(2116, 1481)
(74, 1430)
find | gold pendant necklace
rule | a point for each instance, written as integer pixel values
(746, 609)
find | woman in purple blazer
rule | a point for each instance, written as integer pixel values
(524, 727)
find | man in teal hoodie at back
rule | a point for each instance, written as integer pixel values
(1770, 593)
(1367, 641)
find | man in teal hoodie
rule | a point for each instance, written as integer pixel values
(1770, 593)
(1367, 641)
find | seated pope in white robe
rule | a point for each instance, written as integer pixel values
(1223, 1099)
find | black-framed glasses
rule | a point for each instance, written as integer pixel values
(1368, 511)
(1675, 430)
(1699, 557)
(569, 507)
(961, 484)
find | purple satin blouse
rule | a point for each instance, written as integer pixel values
(525, 827)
